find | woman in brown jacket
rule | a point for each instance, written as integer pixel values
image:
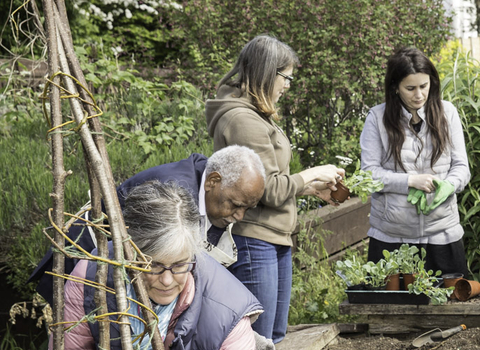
(244, 113)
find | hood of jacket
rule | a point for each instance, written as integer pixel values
(227, 98)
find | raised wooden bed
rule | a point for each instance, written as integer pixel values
(309, 337)
(339, 227)
(397, 319)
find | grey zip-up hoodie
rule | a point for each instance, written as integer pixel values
(390, 212)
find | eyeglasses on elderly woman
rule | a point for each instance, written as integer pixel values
(176, 269)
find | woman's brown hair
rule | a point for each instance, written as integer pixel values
(256, 70)
(404, 62)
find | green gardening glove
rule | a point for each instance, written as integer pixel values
(443, 190)
(417, 197)
(422, 203)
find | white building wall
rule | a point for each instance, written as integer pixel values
(463, 12)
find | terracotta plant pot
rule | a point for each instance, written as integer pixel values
(466, 289)
(341, 194)
(393, 282)
(450, 279)
(408, 278)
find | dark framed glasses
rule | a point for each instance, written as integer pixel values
(176, 269)
(288, 78)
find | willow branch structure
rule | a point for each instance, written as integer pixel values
(62, 61)
(59, 175)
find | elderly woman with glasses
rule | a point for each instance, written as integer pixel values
(200, 305)
(244, 113)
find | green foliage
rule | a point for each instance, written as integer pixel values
(17, 104)
(461, 86)
(377, 273)
(343, 48)
(316, 292)
(146, 123)
(25, 183)
(362, 184)
(351, 270)
(404, 260)
(354, 271)
(334, 85)
(151, 113)
(128, 29)
(425, 282)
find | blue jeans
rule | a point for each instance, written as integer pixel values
(266, 270)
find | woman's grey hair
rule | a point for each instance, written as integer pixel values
(163, 220)
(230, 161)
(256, 70)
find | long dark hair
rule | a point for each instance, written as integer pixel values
(404, 62)
(256, 70)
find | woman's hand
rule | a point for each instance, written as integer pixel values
(326, 195)
(329, 174)
(321, 190)
(422, 182)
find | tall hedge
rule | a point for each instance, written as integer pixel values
(342, 45)
(461, 86)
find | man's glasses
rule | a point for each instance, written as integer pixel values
(288, 78)
(176, 269)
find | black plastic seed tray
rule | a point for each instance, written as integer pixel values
(363, 296)
(386, 297)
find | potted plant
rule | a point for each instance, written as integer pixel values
(425, 282)
(359, 183)
(359, 275)
(408, 258)
(377, 274)
(392, 267)
(405, 260)
(352, 272)
(410, 263)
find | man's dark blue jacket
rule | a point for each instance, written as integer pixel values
(187, 173)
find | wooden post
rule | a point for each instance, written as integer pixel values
(59, 175)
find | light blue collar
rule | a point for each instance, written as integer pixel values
(164, 313)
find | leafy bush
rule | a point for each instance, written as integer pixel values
(461, 86)
(316, 291)
(128, 29)
(343, 47)
(152, 113)
(146, 123)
